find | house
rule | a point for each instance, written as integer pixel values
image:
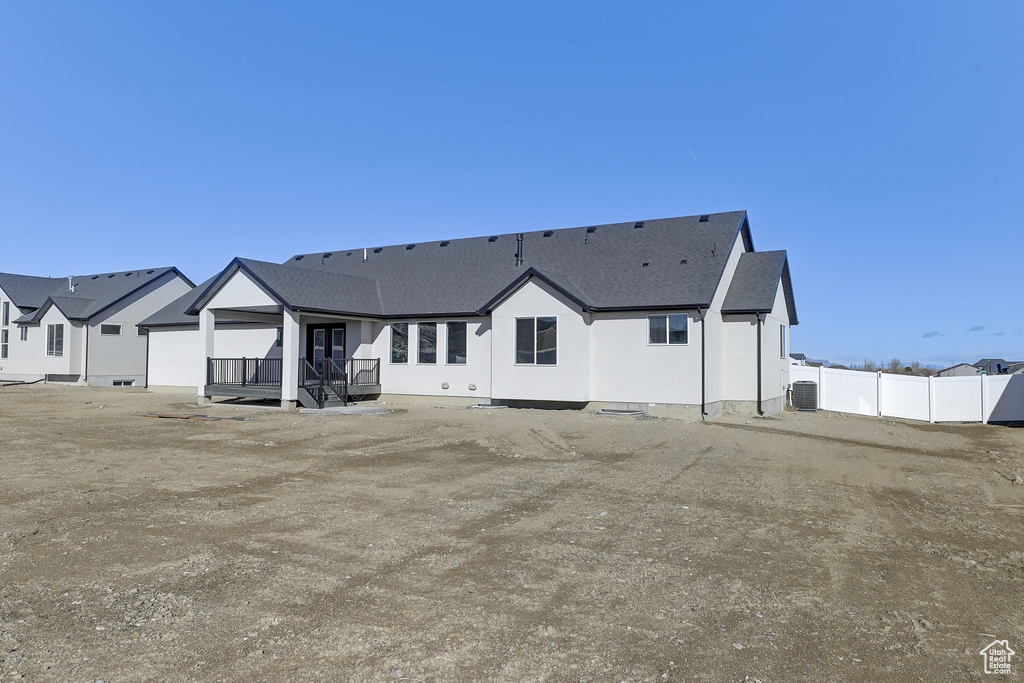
(958, 370)
(82, 328)
(675, 314)
(985, 366)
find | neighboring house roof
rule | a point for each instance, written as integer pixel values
(756, 281)
(92, 294)
(958, 365)
(663, 263)
(29, 291)
(798, 356)
(176, 313)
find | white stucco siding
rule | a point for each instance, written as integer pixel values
(426, 379)
(775, 356)
(245, 341)
(175, 353)
(739, 371)
(626, 368)
(70, 363)
(569, 379)
(240, 292)
(23, 357)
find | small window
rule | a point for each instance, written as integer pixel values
(537, 341)
(55, 340)
(142, 331)
(4, 334)
(427, 343)
(456, 343)
(782, 341)
(667, 329)
(7, 313)
(24, 334)
(399, 342)
(110, 329)
(123, 382)
(279, 340)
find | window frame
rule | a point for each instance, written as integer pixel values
(420, 326)
(6, 315)
(391, 344)
(535, 339)
(24, 333)
(448, 342)
(106, 327)
(5, 338)
(782, 341)
(666, 317)
(54, 334)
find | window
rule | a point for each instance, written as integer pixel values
(7, 313)
(428, 343)
(536, 341)
(55, 340)
(399, 342)
(24, 334)
(3, 343)
(782, 341)
(110, 329)
(666, 329)
(456, 343)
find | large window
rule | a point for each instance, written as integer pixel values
(427, 347)
(666, 329)
(782, 341)
(536, 341)
(3, 343)
(456, 343)
(7, 313)
(110, 330)
(399, 342)
(55, 340)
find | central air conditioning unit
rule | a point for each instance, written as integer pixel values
(805, 395)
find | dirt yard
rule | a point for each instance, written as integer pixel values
(447, 544)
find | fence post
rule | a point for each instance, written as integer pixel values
(821, 387)
(984, 399)
(878, 392)
(243, 371)
(931, 399)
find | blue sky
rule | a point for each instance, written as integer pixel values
(880, 143)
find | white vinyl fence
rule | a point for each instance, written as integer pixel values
(982, 398)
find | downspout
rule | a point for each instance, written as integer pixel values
(145, 382)
(760, 324)
(85, 370)
(703, 386)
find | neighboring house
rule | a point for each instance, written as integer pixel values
(659, 314)
(958, 370)
(81, 328)
(797, 359)
(985, 366)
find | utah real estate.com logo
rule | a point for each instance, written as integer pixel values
(997, 656)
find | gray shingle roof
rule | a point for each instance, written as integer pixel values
(92, 293)
(756, 281)
(603, 264)
(661, 263)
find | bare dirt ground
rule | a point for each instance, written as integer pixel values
(446, 544)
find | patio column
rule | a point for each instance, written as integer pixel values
(207, 321)
(290, 360)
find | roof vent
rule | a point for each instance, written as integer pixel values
(492, 238)
(682, 262)
(591, 229)
(704, 218)
(348, 253)
(329, 254)
(446, 243)
(638, 224)
(94, 277)
(410, 247)
(149, 272)
(549, 233)
(378, 250)
(645, 264)
(110, 276)
(299, 258)
(127, 274)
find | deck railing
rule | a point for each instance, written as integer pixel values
(362, 371)
(244, 372)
